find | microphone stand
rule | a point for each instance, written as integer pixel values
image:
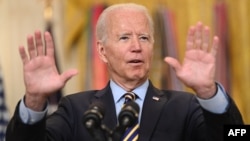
(113, 135)
(127, 118)
(100, 132)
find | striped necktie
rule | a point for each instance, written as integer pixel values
(131, 133)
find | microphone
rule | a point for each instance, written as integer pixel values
(92, 120)
(129, 114)
(127, 118)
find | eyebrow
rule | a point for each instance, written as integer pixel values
(130, 33)
(125, 33)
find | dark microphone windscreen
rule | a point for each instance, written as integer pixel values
(93, 116)
(98, 106)
(129, 114)
(133, 105)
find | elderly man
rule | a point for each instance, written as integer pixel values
(125, 43)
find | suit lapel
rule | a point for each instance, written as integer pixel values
(152, 107)
(105, 97)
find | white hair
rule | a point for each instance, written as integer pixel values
(101, 27)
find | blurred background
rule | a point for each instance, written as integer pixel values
(72, 24)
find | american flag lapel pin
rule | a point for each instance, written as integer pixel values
(155, 98)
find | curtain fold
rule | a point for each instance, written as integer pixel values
(223, 60)
(100, 75)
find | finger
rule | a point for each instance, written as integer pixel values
(49, 44)
(68, 74)
(198, 35)
(190, 38)
(205, 39)
(31, 47)
(173, 63)
(39, 43)
(215, 46)
(23, 54)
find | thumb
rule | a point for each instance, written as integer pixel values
(173, 63)
(68, 74)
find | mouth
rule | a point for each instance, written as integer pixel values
(135, 61)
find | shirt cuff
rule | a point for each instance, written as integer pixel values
(217, 104)
(29, 116)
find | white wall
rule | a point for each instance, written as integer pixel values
(17, 20)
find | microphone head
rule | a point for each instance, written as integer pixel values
(131, 105)
(129, 114)
(99, 107)
(94, 115)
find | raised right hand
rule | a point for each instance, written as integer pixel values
(41, 76)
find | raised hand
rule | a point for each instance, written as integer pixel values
(41, 76)
(197, 70)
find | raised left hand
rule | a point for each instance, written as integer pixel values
(198, 68)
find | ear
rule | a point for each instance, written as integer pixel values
(102, 52)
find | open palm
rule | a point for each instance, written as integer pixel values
(41, 76)
(197, 70)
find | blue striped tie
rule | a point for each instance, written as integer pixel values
(131, 133)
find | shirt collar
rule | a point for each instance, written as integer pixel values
(118, 91)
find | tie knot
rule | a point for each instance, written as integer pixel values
(129, 96)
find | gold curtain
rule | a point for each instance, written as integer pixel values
(187, 12)
(239, 23)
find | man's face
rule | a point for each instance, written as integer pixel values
(128, 49)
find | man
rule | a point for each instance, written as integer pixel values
(125, 44)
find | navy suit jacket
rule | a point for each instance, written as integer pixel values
(166, 116)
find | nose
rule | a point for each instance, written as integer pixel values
(136, 46)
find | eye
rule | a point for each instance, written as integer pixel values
(124, 38)
(144, 38)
